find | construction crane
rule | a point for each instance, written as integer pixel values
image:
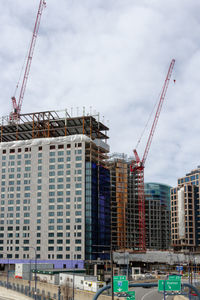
(138, 165)
(14, 115)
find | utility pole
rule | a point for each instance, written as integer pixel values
(111, 258)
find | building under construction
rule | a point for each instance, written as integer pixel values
(55, 188)
(125, 208)
(124, 204)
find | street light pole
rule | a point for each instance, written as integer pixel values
(73, 276)
(111, 258)
(8, 271)
(35, 272)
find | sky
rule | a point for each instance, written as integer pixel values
(112, 57)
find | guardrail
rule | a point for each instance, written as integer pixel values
(107, 287)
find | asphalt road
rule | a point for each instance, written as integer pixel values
(149, 294)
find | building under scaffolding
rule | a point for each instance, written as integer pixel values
(125, 208)
(55, 188)
(124, 204)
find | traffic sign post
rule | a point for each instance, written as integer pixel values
(119, 278)
(169, 285)
(120, 286)
(174, 277)
(179, 268)
(132, 295)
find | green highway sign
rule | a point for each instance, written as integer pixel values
(132, 295)
(119, 278)
(174, 277)
(169, 285)
(120, 286)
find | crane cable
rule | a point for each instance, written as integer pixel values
(149, 118)
(21, 72)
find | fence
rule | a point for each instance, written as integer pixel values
(41, 294)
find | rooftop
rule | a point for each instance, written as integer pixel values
(51, 124)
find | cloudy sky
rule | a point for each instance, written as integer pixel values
(112, 57)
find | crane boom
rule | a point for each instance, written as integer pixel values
(137, 168)
(162, 97)
(17, 106)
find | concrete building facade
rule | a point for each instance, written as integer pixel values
(185, 213)
(55, 192)
(158, 215)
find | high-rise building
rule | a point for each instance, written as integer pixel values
(157, 217)
(124, 204)
(55, 189)
(185, 214)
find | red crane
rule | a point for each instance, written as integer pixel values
(14, 116)
(138, 165)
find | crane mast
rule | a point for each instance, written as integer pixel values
(138, 166)
(14, 116)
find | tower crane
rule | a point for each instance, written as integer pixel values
(137, 167)
(14, 115)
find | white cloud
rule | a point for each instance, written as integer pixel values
(112, 55)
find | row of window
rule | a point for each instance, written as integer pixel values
(51, 147)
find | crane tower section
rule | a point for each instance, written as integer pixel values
(138, 165)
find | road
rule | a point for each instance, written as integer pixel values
(5, 298)
(149, 294)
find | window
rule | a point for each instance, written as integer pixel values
(60, 173)
(59, 227)
(59, 206)
(60, 186)
(78, 185)
(52, 160)
(51, 221)
(60, 153)
(51, 200)
(51, 213)
(78, 165)
(52, 187)
(51, 241)
(77, 241)
(78, 158)
(60, 159)
(59, 220)
(52, 173)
